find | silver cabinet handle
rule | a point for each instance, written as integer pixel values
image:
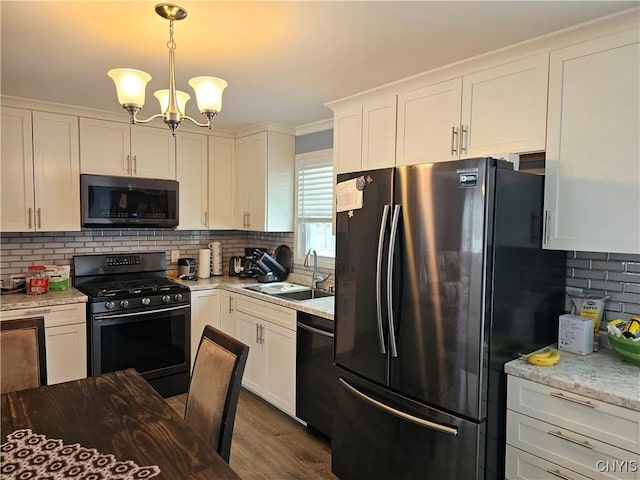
(546, 226)
(383, 228)
(454, 138)
(248, 219)
(463, 138)
(558, 474)
(397, 413)
(262, 334)
(135, 165)
(39, 217)
(559, 434)
(204, 219)
(392, 248)
(230, 305)
(42, 311)
(257, 333)
(29, 215)
(584, 403)
(129, 165)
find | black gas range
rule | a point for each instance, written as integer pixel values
(137, 318)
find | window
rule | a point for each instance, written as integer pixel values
(314, 207)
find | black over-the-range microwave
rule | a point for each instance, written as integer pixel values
(108, 201)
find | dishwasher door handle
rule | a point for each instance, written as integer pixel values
(315, 330)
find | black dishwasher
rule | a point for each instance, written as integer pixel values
(314, 371)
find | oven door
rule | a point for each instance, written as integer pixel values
(153, 341)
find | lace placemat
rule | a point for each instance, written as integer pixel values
(27, 455)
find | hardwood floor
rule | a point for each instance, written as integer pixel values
(267, 444)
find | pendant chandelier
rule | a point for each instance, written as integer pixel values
(131, 84)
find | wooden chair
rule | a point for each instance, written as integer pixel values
(215, 387)
(23, 362)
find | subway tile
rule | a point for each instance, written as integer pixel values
(591, 255)
(625, 257)
(612, 266)
(633, 288)
(631, 308)
(624, 277)
(607, 286)
(633, 267)
(577, 282)
(594, 274)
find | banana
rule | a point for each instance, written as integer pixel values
(546, 358)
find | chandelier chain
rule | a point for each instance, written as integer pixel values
(171, 44)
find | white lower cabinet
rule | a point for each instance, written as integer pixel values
(227, 316)
(204, 307)
(270, 332)
(65, 339)
(553, 433)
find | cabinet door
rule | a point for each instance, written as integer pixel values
(192, 169)
(347, 140)
(222, 183)
(429, 123)
(56, 174)
(251, 179)
(205, 310)
(277, 204)
(279, 358)
(16, 175)
(105, 147)
(521, 465)
(592, 190)
(227, 314)
(504, 108)
(248, 333)
(379, 133)
(66, 347)
(153, 152)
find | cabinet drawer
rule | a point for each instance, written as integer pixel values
(54, 316)
(571, 450)
(285, 317)
(521, 465)
(609, 423)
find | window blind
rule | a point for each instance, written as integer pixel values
(315, 190)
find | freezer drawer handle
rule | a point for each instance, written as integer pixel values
(397, 413)
(383, 228)
(577, 442)
(574, 400)
(558, 474)
(392, 248)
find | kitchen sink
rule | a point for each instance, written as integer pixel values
(304, 294)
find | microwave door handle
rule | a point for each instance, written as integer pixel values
(383, 228)
(392, 248)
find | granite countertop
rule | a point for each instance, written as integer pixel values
(322, 307)
(602, 375)
(18, 301)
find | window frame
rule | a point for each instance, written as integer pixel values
(316, 156)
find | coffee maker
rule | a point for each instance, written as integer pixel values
(245, 266)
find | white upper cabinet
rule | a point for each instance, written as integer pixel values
(592, 190)
(40, 172)
(428, 123)
(379, 133)
(192, 168)
(504, 109)
(121, 149)
(264, 174)
(347, 139)
(493, 111)
(222, 183)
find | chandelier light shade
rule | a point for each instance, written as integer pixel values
(131, 85)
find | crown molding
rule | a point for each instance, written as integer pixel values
(262, 127)
(314, 127)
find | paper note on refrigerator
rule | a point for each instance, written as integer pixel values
(348, 196)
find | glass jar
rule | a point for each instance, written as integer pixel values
(37, 280)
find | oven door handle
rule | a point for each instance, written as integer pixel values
(315, 330)
(109, 316)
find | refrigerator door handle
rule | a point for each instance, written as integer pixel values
(397, 413)
(392, 247)
(383, 228)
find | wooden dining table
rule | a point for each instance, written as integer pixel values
(116, 413)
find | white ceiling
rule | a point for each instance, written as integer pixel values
(283, 60)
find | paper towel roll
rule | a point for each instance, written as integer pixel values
(204, 262)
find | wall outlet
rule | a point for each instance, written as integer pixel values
(175, 254)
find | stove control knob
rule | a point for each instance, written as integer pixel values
(109, 305)
(124, 303)
(178, 297)
(146, 301)
(166, 298)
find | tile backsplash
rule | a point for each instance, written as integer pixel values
(612, 274)
(19, 250)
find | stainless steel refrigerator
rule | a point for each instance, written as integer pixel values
(440, 280)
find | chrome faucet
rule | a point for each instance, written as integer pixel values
(316, 279)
